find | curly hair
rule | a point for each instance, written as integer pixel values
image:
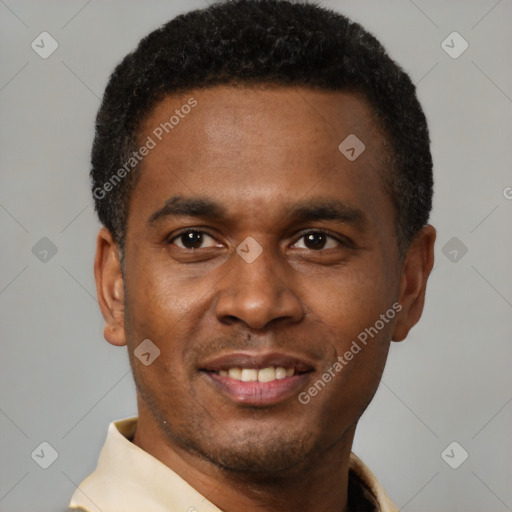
(255, 42)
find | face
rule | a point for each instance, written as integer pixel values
(257, 255)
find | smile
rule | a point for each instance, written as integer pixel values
(257, 379)
(253, 375)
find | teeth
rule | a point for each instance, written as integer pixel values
(281, 372)
(249, 375)
(267, 375)
(235, 373)
(253, 375)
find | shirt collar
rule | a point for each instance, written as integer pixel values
(128, 478)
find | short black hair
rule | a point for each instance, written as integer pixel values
(257, 42)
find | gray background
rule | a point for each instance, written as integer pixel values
(60, 382)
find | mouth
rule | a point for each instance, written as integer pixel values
(257, 379)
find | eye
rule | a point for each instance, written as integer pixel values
(317, 240)
(193, 239)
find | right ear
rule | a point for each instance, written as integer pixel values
(109, 287)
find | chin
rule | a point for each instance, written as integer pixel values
(254, 452)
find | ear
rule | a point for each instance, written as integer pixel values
(416, 269)
(109, 287)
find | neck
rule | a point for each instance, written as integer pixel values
(321, 485)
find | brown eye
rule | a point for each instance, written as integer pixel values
(193, 239)
(316, 241)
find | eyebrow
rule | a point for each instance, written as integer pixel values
(178, 206)
(303, 211)
(321, 209)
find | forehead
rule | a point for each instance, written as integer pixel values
(254, 148)
(228, 116)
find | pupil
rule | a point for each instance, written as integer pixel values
(315, 240)
(192, 239)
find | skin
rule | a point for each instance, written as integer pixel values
(257, 152)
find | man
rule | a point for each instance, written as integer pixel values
(263, 174)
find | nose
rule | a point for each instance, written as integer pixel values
(257, 293)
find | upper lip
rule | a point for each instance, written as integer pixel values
(258, 361)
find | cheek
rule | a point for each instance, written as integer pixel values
(161, 308)
(350, 308)
(352, 302)
(155, 311)
(156, 304)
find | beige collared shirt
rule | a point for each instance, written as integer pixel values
(128, 479)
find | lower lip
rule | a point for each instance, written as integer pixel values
(258, 393)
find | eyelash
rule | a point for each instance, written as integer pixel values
(343, 241)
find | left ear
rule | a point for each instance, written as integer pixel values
(416, 269)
